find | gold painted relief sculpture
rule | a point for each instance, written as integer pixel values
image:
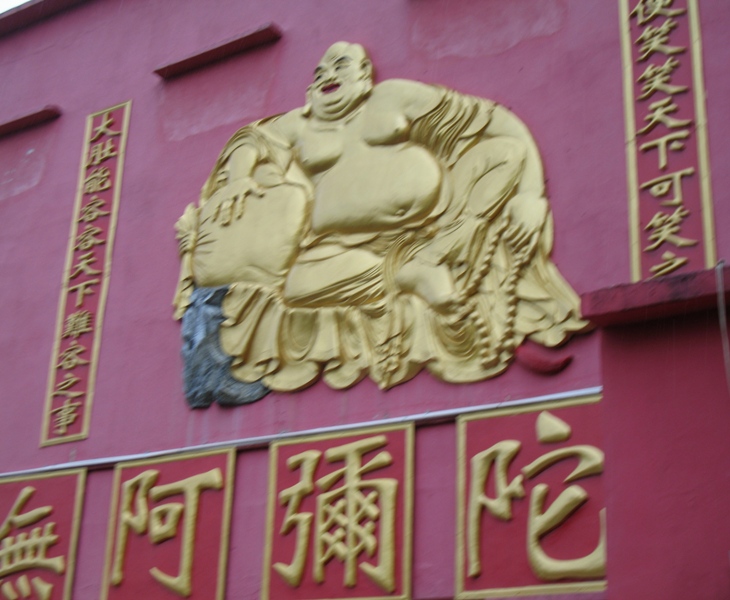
(378, 230)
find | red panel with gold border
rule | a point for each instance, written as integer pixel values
(86, 278)
(39, 533)
(531, 501)
(168, 528)
(340, 516)
(671, 215)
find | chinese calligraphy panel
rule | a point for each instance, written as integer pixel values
(667, 140)
(38, 534)
(86, 277)
(531, 516)
(168, 528)
(340, 516)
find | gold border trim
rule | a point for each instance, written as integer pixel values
(460, 504)
(225, 521)
(548, 588)
(113, 506)
(269, 524)
(701, 127)
(111, 234)
(73, 545)
(64, 288)
(632, 170)
(703, 152)
(409, 429)
(77, 514)
(526, 408)
(533, 590)
(99, 316)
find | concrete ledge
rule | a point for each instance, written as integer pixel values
(47, 113)
(31, 12)
(654, 299)
(267, 34)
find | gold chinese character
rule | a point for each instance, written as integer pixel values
(65, 415)
(670, 263)
(83, 289)
(97, 181)
(347, 517)
(25, 588)
(63, 387)
(671, 141)
(541, 521)
(659, 113)
(84, 266)
(100, 152)
(665, 228)
(647, 10)
(292, 497)
(672, 182)
(104, 128)
(77, 324)
(162, 522)
(656, 39)
(70, 357)
(28, 550)
(92, 211)
(657, 78)
(87, 239)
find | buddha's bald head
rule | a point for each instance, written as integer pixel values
(342, 79)
(354, 52)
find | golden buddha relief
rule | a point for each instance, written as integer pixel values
(378, 230)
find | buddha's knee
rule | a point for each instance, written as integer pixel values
(494, 153)
(351, 277)
(489, 174)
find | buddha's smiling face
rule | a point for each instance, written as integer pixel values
(341, 81)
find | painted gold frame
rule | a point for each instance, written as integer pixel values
(700, 118)
(406, 575)
(225, 521)
(77, 515)
(462, 465)
(98, 322)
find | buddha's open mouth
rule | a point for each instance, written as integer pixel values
(330, 87)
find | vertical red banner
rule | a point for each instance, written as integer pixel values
(169, 527)
(531, 501)
(340, 516)
(86, 278)
(39, 531)
(671, 216)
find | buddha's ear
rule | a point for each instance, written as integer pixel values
(367, 69)
(307, 108)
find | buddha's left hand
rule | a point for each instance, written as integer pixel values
(231, 197)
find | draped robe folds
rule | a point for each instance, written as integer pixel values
(355, 320)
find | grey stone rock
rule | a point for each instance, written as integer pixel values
(206, 368)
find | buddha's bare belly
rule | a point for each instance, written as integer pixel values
(376, 189)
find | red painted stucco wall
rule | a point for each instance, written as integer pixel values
(667, 410)
(554, 63)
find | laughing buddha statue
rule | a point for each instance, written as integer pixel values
(378, 230)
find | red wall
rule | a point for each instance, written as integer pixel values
(555, 63)
(667, 418)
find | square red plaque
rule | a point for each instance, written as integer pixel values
(531, 517)
(168, 528)
(340, 514)
(39, 530)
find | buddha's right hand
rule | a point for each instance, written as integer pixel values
(230, 199)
